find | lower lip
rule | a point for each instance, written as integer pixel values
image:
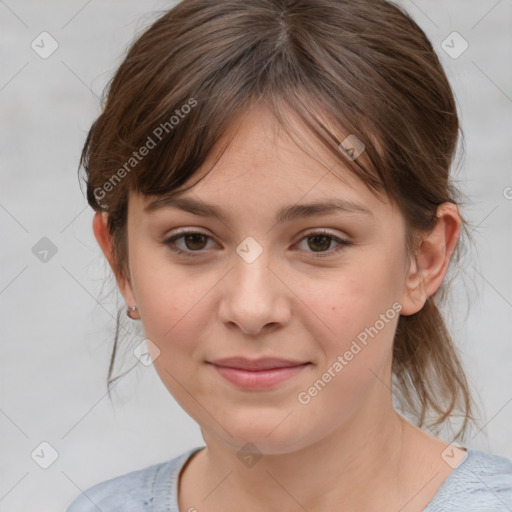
(261, 379)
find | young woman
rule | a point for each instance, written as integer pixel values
(272, 191)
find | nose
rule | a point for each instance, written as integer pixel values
(255, 299)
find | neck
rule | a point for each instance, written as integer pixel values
(340, 468)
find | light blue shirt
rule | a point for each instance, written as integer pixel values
(481, 483)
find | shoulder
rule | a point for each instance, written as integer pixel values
(482, 482)
(134, 491)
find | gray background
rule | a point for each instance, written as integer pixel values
(57, 317)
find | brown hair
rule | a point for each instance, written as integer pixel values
(364, 65)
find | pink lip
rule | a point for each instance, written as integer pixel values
(257, 374)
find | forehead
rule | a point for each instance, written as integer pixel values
(257, 143)
(257, 165)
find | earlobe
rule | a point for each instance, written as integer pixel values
(430, 264)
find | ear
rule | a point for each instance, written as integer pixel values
(430, 264)
(104, 238)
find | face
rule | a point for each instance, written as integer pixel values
(323, 289)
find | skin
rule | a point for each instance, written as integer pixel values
(348, 439)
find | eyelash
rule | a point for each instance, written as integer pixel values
(170, 243)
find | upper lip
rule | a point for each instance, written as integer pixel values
(265, 363)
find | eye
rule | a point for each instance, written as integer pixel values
(321, 240)
(195, 242)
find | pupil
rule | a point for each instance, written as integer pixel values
(324, 237)
(194, 238)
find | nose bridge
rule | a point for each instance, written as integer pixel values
(252, 279)
(253, 297)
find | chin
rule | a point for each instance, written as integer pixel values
(267, 435)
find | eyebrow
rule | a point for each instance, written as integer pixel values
(285, 214)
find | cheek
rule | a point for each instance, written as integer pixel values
(354, 321)
(172, 310)
(171, 300)
(343, 305)
(357, 351)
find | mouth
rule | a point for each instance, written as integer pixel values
(257, 374)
